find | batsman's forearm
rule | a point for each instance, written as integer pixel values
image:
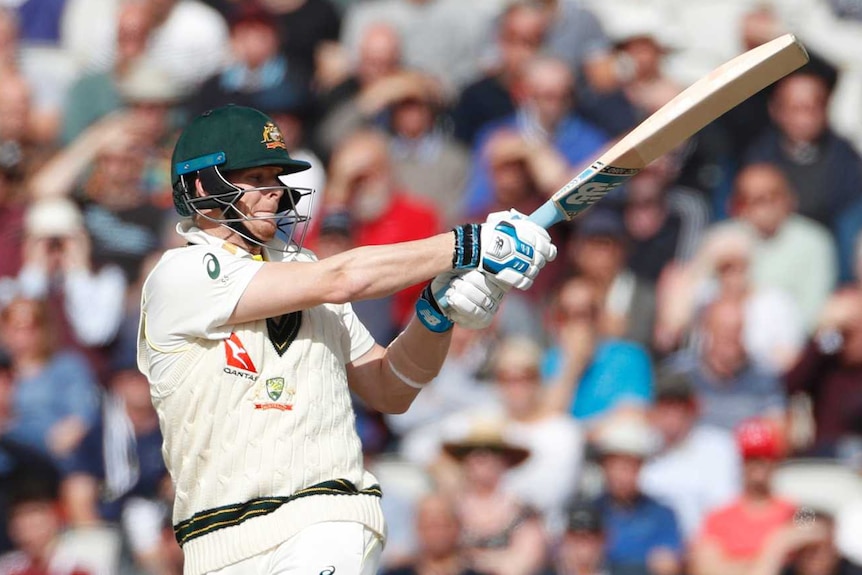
(412, 360)
(371, 272)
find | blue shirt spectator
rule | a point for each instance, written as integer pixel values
(545, 114)
(633, 531)
(574, 137)
(65, 387)
(638, 529)
(140, 462)
(620, 372)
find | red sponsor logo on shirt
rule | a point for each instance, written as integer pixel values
(237, 357)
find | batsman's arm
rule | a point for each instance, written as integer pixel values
(513, 250)
(366, 272)
(388, 379)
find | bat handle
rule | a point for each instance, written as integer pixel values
(547, 215)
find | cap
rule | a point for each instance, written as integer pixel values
(626, 434)
(759, 439)
(486, 435)
(601, 222)
(583, 516)
(53, 217)
(231, 137)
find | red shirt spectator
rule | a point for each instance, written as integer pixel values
(733, 537)
(406, 218)
(742, 530)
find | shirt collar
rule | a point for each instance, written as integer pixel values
(274, 250)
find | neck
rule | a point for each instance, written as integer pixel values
(757, 497)
(229, 235)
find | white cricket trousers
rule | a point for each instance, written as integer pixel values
(327, 548)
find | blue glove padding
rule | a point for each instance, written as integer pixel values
(507, 246)
(428, 309)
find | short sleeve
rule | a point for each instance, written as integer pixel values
(360, 340)
(192, 293)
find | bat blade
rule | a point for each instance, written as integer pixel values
(722, 89)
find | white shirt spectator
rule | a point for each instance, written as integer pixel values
(695, 476)
(546, 480)
(191, 45)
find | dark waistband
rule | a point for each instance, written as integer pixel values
(217, 518)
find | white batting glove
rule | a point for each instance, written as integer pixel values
(507, 246)
(473, 298)
(469, 299)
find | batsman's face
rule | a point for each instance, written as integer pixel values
(259, 207)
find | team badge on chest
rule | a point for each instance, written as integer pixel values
(279, 393)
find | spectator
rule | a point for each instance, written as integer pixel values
(523, 174)
(793, 253)
(519, 35)
(183, 32)
(96, 94)
(689, 452)
(48, 69)
(303, 27)
(41, 545)
(597, 252)
(590, 375)
(544, 114)
(501, 535)
(107, 170)
(116, 474)
(16, 460)
(465, 26)
(438, 531)
(20, 150)
(353, 101)
(258, 75)
(825, 169)
(805, 549)
(829, 371)
(734, 536)
(361, 180)
(56, 396)
(578, 37)
(425, 158)
(546, 480)
(730, 388)
(773, 332)
(624, 78)
(664, 221)
(581, 549)
(746, 122)
(642, 535)
(58, 268)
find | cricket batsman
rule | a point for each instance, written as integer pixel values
(252, 350)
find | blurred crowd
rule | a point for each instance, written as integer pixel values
(679, 394)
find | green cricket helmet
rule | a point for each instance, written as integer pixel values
(226, 139)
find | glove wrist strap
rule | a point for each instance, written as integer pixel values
(468, 252)
(430, 314)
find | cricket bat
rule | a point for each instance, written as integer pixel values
(695, 107)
